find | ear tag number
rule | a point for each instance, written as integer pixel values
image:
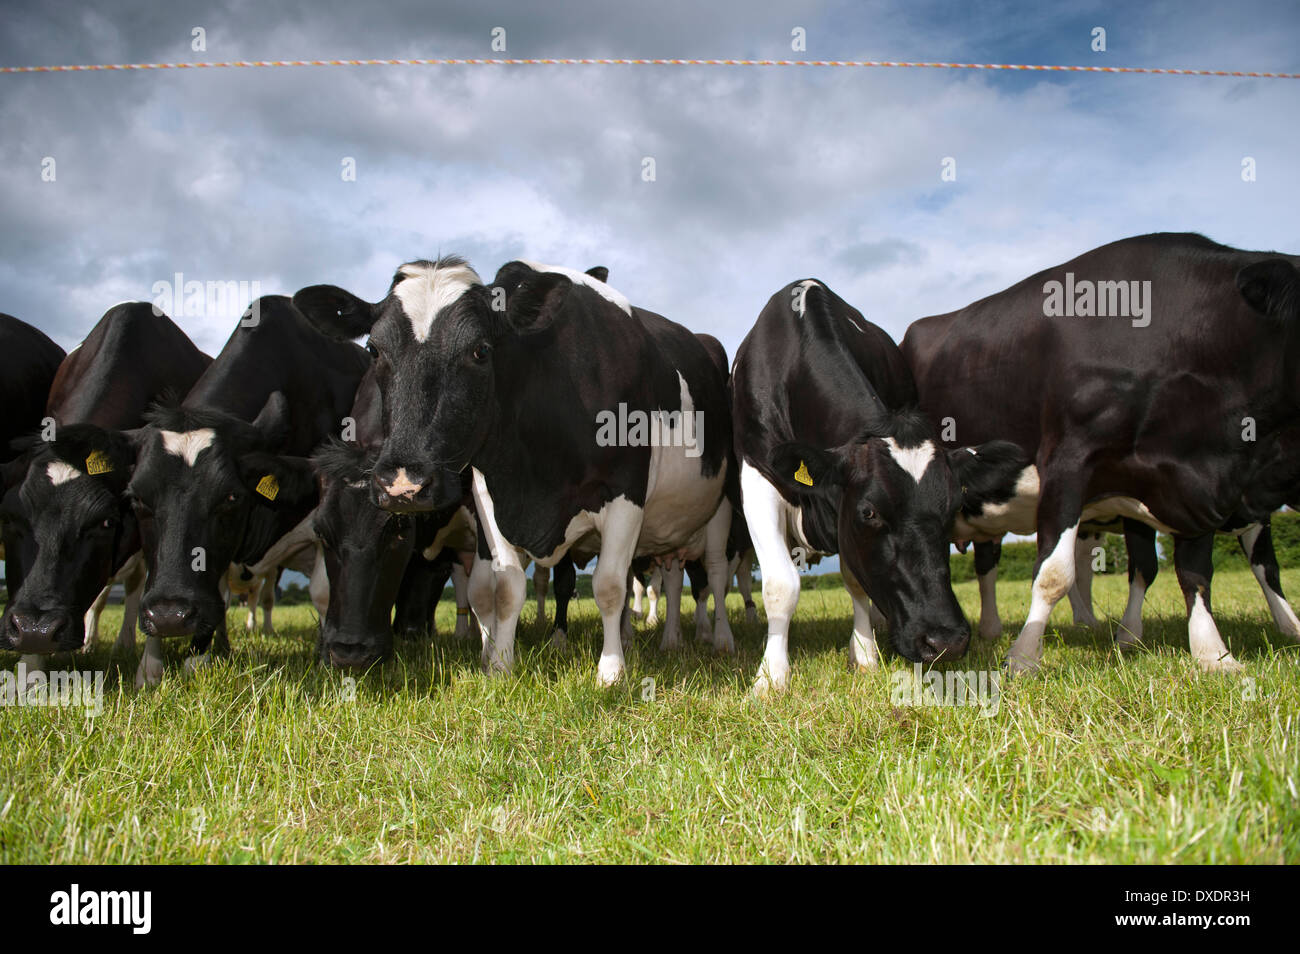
(268, 487)
(802, 475)
(98, 463)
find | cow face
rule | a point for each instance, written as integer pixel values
(433, 338)
(207, 491)
(69, 527)
(366, 550)
(896, 497)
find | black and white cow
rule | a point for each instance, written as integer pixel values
(1164, 393)
(835, 457)
(222, 477)
(72, 528)
(528, 385)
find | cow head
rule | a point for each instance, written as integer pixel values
(896, 492)
(69, 527)
(208, 490)
(366, 550)
(434, 338)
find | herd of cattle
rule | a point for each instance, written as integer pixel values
(471, 436)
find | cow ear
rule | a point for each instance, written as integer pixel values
(278, 482)
(804, 469)
(272, 422)
(599, 272)
(988, 471)
(1271, 287)
(535, 303)
(335, 312)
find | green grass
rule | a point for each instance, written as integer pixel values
(267, 757)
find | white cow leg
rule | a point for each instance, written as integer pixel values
(133, 583)
(765, 514)
(654, 584)
(150, 670)
(92, 619)
(638, 590)
(621, 526)
(1052, 581)
(511, 591)
(719, 571)
(672, 577)
(1081, 593)
(1129, 635)
(1264, 566)
(864, 655)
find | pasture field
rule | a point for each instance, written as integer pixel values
(268, 757)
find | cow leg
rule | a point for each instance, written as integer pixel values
(672, 576)
(566, 584)
(319, 585)
(864, 655)
(1257, 543)
(91, 621)
(133, 582)
(268, 600)
(541, 583)
(700, 593)
(654, 584)
(1081, 593)
(638, 591)
(482, 597)
(987, 556)
(715, 563)
(745, 584)
(1140, 542)
(765, 514)
(150, 670)
(1058, 528)
(1194, 565)
(621, 526)
(510, 592)
(460, 586)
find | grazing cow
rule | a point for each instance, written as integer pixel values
(1102, 393)
(575, 413)
(835, 457)
(219, 479)
(73, 530)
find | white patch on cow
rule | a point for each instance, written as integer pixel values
(60, 472)
(1052, 581)
(914, 460)
(1107, 509)
(798, 303)
(402, 485)
(582, 278)
(990, 622)
(1283, 615)
(769, 517)
(187, 445)
(426, 289)
(1206, 644)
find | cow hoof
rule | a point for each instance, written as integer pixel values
(670, 645)
(1127, 642)
(1020, 665)
(651, 621)
(770, 681)
(1089, 621)
(725, 643)
(1220, 664)
(609, 672)
(559, 640)
(149, 672)
(751, 614)
(989, 634)
(194, 663)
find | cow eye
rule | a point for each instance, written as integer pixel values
(482, 351)
(370, 346)
(867, 514)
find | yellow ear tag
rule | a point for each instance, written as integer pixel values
(802, 475)
(98, 463)
(268, 487)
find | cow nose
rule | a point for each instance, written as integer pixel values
(169, 618)
(352, 655)
(400, 482)
(944, 644)
(32, 633)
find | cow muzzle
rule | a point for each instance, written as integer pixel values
(37, 632)
(169, 618)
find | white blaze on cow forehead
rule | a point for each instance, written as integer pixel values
(914, 460)
(582, 278)
(187, 445)
(425, 289)
(60, 472)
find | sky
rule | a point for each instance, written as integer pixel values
(761, 176)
